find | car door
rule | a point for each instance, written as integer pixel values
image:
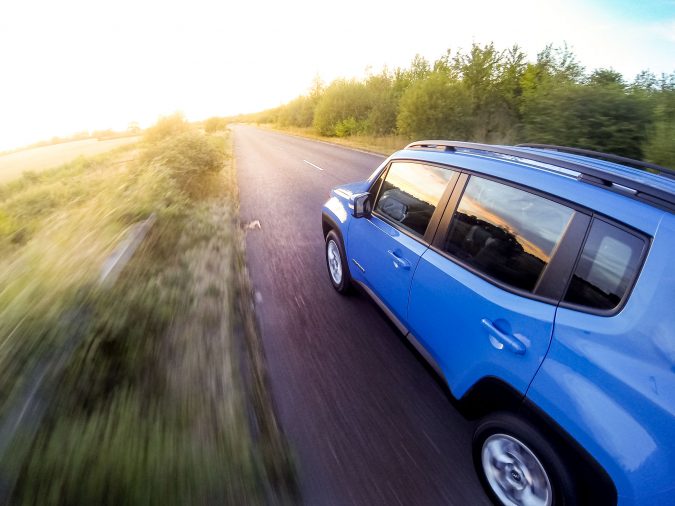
(480, 300)
(387, 245)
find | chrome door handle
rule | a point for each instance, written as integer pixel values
(512, 343)
(398, 261)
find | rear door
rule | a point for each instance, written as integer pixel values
(609, 377)
(483, 299)
(387, 246)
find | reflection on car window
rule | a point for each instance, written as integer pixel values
(410, 193)
(607, 267)
(506, 233)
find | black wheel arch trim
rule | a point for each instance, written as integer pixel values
(328, 224)
(491, 394)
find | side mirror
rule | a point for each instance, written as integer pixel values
(362, 205)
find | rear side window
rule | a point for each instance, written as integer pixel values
(410, 193)
(506, 233)
(607, 268)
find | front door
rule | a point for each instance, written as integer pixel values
(387, 246)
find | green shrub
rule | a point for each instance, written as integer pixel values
(349, 126)
(188, 154)
(596, 116)
(299, 112)
(215, 124)
(661, 146)
(167, 126)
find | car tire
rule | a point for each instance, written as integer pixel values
(336, 262)
(517, 466)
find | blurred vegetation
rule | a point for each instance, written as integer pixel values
(486, 94)
(152, 405)
(215, 124)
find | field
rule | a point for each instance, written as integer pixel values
(147, 388)
(12, 165)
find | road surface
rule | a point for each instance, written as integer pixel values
(369, 422)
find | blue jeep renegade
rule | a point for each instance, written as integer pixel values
(539, 282)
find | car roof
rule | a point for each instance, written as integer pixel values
(655, 185)
(645, 177)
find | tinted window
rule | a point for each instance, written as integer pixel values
(607, 267)
(506, 233)
(410, 193)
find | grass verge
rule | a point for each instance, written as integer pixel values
(163, 398)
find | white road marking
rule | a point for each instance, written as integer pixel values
(310, 163)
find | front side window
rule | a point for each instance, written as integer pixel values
(506, 233)
(608, 265)
(410, 193)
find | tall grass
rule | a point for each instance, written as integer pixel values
(151, 406)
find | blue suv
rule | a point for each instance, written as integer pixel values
(538, 281)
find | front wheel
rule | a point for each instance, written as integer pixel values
(517, 466)
(336, 263)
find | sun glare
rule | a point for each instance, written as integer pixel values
(76, 65)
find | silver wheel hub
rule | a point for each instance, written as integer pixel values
(514, 473)
(334, 262)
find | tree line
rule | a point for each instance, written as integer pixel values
(497, 96)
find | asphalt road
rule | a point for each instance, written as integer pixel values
(369, 422)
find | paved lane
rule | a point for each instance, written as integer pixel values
(369, 423)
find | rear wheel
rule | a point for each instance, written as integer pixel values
(517, 466)
(338, 271)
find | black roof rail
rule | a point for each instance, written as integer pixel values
(639, 164)
(592, 175)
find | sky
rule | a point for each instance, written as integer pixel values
(77, 65)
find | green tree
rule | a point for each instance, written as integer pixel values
(418, 71)
(342, 100)
(606, 77)
(492, 79)
(601, 117)
(660, 147)
(435, 107)
(298, 112)
(383, 102)
(645, 81)
(555, 67)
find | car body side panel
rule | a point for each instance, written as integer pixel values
(446, 309)
(610, 381)
(337, 211)
(373, 242)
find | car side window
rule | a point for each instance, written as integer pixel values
(607, 268)
(410, 193)
(506, 233)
